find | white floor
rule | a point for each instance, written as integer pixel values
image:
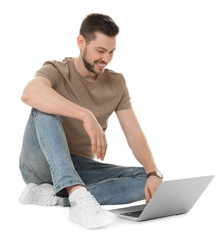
(37, 222)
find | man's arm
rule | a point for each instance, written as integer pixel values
(39, 94)
(140, 148)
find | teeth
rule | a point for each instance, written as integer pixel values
(101, 65)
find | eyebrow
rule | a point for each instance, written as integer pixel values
(104, 49)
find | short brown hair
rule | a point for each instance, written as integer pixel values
(98, 23)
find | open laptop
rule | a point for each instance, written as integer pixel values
(171, 198)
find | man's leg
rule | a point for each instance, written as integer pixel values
(111, 184)
(45, 158)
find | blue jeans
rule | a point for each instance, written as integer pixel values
(45, 158)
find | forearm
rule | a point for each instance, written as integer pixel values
(136, 139)
(46, 99)
(140, 148)
(142, 152)
(40, 95)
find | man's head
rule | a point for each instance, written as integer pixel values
(94, 23)
(97, 41)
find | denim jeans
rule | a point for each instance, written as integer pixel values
(45, 158)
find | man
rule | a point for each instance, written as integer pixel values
(71, 102)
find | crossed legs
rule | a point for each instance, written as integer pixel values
(45, 158)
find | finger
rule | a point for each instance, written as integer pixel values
(152, 192)
(99, 148)
(147, 195)
(93, 143)
(104, 148)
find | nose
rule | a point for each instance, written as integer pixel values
(106, 58)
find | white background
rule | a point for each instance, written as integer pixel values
(171, 54)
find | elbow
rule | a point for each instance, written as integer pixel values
(25, 97)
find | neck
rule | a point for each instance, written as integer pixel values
(80, 67)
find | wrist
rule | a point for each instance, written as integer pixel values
(77, 112)
(156, 173)
(85, 114)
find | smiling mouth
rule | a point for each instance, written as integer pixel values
(101, 65)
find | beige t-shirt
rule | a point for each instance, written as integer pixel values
(107, 94)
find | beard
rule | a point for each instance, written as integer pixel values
(89, 66)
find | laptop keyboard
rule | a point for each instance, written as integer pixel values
(135, 214)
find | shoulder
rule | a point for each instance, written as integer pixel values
(114, 77)
(113, 74)
(63, 67)
(60, 65)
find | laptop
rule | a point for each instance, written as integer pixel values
(171, 198)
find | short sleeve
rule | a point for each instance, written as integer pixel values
(125, 102)
(50, 72)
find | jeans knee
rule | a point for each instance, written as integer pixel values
(29, 176)
(36, 113)
(139, 171)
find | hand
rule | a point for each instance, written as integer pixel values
(151, 186)
(96, 134)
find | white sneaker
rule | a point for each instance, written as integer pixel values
(38, 194)
(86, 211)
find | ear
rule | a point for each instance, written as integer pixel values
(81, 42)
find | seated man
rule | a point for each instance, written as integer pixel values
(71, 102)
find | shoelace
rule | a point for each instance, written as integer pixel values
(43, 197)
(90, 203)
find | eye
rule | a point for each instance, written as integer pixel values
(100, 51)
(112, 52)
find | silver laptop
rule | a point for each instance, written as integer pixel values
(171, 198)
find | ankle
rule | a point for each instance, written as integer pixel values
(71, 189)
